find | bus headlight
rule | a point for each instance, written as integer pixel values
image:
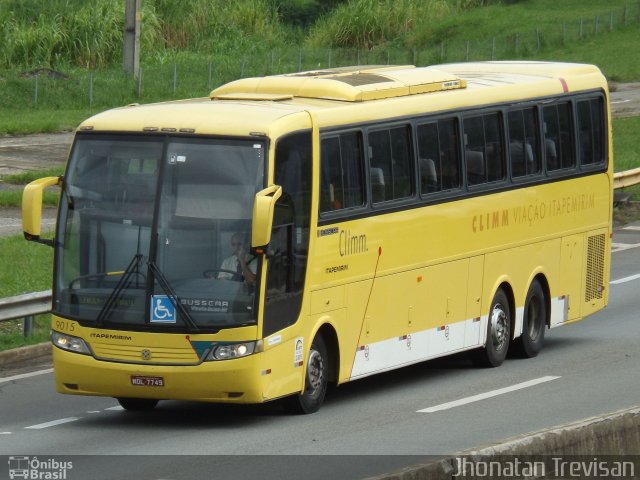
(70, 343)
(234, 350)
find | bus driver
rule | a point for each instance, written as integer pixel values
(240, 263)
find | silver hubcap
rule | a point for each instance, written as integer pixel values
(315, 372)
(499, 327)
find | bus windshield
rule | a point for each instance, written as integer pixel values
(154, 233)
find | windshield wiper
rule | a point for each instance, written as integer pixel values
(173, 297)
(122, 285)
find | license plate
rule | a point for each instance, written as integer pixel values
(140, 381)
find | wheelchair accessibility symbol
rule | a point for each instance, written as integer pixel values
(162, 309)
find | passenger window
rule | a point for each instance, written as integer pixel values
(524, 153)
(438, 156)
(390, 164)
(591, 131)
(483, 149)
(341, 171)
(558, 141)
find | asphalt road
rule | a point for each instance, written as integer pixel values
(367, 427)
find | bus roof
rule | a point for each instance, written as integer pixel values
(271, 105)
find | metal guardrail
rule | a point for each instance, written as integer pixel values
(25, 306)
(626, 178)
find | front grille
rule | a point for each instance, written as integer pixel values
(145, 355)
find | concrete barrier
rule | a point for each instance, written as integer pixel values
(11, 358)
(614, 434)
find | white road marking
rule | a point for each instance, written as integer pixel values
(53, 423)
(620, 101)
(116, 408)
(618, 247)
(5, 433)
(26, 375)
(484, 396)
(633, 228)
(625, 279)
(94, 411)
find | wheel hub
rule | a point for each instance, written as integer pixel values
(499, 327)
(315, 371)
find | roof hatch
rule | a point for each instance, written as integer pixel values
(350, 84)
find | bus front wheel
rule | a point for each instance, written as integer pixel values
(137, 404)
(315, 382)
(498, 331)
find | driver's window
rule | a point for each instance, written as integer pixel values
(289, 246)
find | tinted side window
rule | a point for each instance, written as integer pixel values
(483, 149)
(591, 131)
(558, 142)
(341, 172)
(438, 156)
(524, 153)
(390, 164)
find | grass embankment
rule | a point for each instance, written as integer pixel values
(190, 49)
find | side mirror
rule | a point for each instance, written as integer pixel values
(263, 207)
(32, 208)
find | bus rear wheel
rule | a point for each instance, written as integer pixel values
(534, 323)
(137, 404)
(498, 332)
(315, 382)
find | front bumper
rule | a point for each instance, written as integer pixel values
(229, 381)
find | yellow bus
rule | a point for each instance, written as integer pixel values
(294, 230)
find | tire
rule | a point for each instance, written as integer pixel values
(498, 332)
(137, 404)
(534, 323)
(315, 382)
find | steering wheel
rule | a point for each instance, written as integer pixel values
(213, 273)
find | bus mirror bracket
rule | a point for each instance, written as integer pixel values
(263, 208)
(32, 208)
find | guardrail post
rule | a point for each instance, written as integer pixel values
(28, 325)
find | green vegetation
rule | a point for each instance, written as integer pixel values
(26, 177)
(12, 336)
(625, 149)
(368, 24)
(13, 198)
(26, 266)
(625, 143)
(60, 60)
